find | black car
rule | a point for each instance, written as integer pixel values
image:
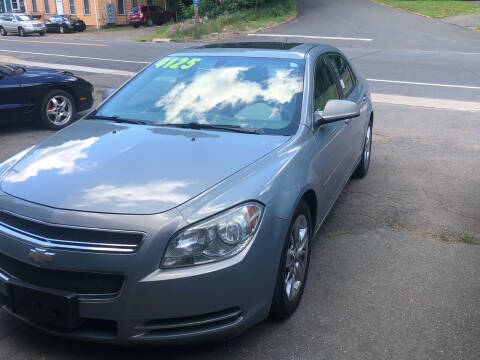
(64, 23)
(51, 97)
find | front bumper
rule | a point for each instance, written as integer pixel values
(34, 30)
(153, 305)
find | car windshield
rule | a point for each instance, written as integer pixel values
(24, 17)
(251, 93)
(6, 69)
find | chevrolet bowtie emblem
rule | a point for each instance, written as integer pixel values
(41, 256)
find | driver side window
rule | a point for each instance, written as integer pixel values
(325, 87)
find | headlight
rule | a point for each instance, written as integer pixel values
(218, 238)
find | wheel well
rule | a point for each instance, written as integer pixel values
(311, 200)
(69, 91)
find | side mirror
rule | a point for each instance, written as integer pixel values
(107, 92)
(336, 110)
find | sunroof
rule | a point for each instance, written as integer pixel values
(252, 45)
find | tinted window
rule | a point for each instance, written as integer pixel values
(144, 8)
(325, 85)
(260, 93)
(343, 71)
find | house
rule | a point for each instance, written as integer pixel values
(95, 13)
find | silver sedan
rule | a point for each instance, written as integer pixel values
(184, 206)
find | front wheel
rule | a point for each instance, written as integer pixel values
(61, 30)
(294, 262)
(364, 164)
(21, 32)
(3, 32)
(136, 26)
(42, 33)
(149, 22)
(57, 110)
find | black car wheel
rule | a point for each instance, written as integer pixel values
(42, 33)
(3, 32)
(21, 32)
(149, 22)
(136, 26)
(61, 29)
(293, 269)
(57, 110)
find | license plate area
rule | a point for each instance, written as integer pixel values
(51, 309)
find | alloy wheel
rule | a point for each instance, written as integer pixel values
(3, 32)
(59, 110)
(297, 257)
(62, 30)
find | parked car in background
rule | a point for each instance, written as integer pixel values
(149, 15)
(20, 24)
(49, 97)
(64, 23)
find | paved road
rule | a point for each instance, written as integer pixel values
(394, 274)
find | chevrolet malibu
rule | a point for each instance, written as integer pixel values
(183, 208)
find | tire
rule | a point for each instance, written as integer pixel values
(3, 32)
(136, 26)
(61, 30)
(42, 33)
(53, 114)
(21, 32)
(287, 296)
(149, 22)
(362, 168)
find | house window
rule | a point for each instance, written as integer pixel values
(149, 2)
(71, 3)
(134, 3)
(120, 7)
(46, 6)
(34, 6)
(86, 7)
(15, 5)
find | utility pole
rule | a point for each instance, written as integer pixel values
(197, 20)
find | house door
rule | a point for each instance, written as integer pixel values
(59, 4)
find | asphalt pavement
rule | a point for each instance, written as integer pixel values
(395, 270)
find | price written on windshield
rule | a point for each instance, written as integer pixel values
(177, 63)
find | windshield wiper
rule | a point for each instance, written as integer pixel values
(117, 119)
(196, 125)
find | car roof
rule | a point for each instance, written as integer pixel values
(269, 49)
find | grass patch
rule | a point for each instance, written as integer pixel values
(435, 8)
(453, 236)
(228, 23)
(476, 28)
(107, 29)
(338, 233)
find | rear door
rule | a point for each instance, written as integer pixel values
(10, 23)
(351, 90)
(10, 99)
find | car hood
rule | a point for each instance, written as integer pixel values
(101, 166)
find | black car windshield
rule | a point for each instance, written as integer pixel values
(251, 93)
(24, 17)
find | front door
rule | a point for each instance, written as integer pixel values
(59, 4)
(10, 99)
(331, 154)
(353, 91)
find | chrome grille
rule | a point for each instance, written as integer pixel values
(67, 237)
